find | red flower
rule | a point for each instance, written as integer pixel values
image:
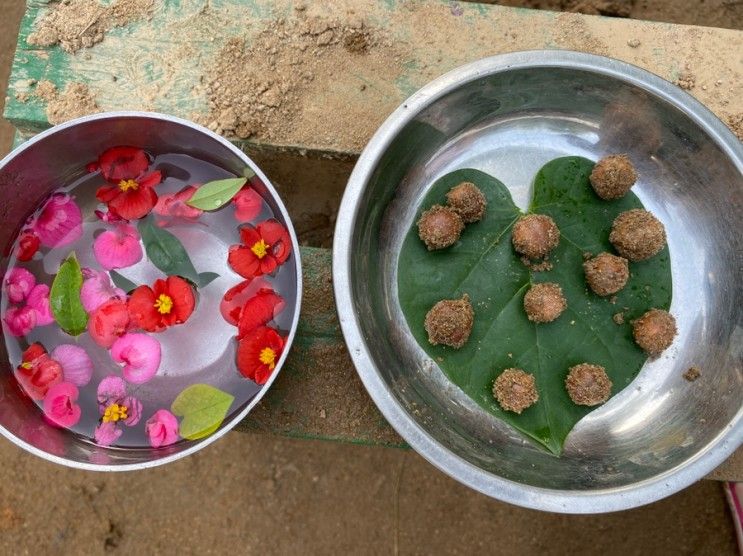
(28, 244)
(132, 195)
(258, 354)
(258, 310)
(169, 302)
(38, 372)
(108, 321)
(263, 249)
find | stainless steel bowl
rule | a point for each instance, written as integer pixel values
(58, 156)
(508, 115)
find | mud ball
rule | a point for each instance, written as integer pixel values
(467, 201)
(439, 227)
(637, 235)
(544, 302)
(613, 176)
(606, 274)
(535, 235)
(515, 390)
(449, 322)
(588, 384)
(654, 331)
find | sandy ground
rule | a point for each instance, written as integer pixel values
(267, 495)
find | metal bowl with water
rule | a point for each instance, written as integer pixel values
(58, 156)
(509, 115)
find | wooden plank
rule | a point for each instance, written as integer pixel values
(167, 63)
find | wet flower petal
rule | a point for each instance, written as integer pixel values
(258, 310)
(140, 354)
(18, 284)
(121, 163)
(234, 299)
(108, 216)
(20, 320)
(36, 375)
(134, 410)
(97, 289)
(118, 248)
(111, 389)
(77, 368)
(259, 353)
(38, 300)
(108, 322)
(107, 433)
(28, 245)
(60, 221)
(162, 428)
(174, 204)
(59, 405)
(248, 204)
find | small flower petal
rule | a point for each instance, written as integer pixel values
(248, 204)
(18, 284)
(258, 310)
(77, 368)
(118, 248)
(97, 289)
(174, 204)
(133, 410)
(20, 320)
(38, 300)
(122, 163)
(60, 221)
(59, 405)
(140, 354)
(28, 245)
(234, 299)
(111, 389)
(44, 373)
(107, 433)
(108, 322)
(162, 428)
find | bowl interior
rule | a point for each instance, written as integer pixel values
(509, 124)
(56, 158)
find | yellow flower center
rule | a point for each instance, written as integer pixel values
(126, 185)
(164, 304)
(268, 357)
(260, 248)
(26, 365)
(115, 412)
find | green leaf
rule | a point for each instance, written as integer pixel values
(122, 282)
(206, 278)
(484, 265)
(166, 251)
(216, 194)
(64, 297)
(248, 172)
(203, 409)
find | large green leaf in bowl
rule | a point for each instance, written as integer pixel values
(484, 265)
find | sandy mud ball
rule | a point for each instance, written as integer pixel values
(613, 176)
(467, 201)
(588, 384)
(515, 390)
(606, 274)
(544, 302)
(449, 322)
(637, 235)
(654, 331)
(439, 227)
(535, 235)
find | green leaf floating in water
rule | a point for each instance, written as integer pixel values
(122, 282)
(203, 409)
(64, 297)
(168, 254)
(484, 265)
(216, 194)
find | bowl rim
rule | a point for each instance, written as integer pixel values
(145, 115)
(555, 500)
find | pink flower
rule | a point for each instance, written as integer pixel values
(248, 204)
(38, 300)
(118, 248)
(162, 428)
(140, 355)
(107, 433)
(134, 410)
(97, 289)
(59, 405)
(77, 368)
(174, 204)
(110, 390)
(109, 321)
(20, 320)
(60, 221)
(18, 284)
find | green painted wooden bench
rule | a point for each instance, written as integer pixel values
(367, 57)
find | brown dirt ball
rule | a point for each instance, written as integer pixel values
(606, 274)
(654, 331)
(637, 235)
(467, 201)
(544, 302)
(439, 227)
(613, 176)
(588, 384)
(535, 235)
(515, 390)
(449, 322)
